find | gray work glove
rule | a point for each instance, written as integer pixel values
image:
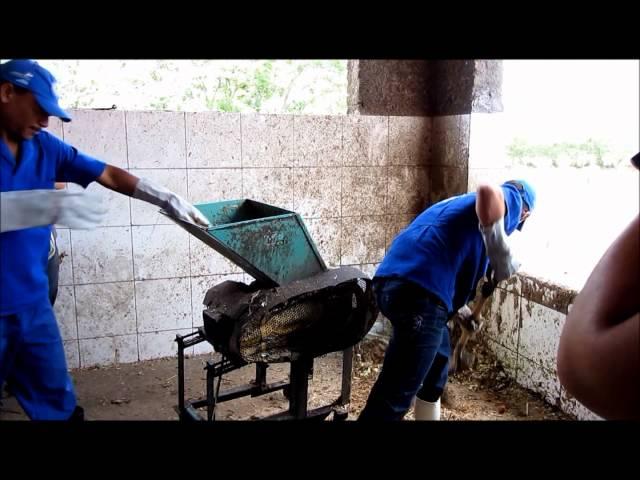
(498, 251)
(172, 203)
(34, 208)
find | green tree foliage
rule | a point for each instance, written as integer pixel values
(589, 152)
(265, 86)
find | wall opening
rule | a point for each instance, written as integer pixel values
(316, 87)
(570, 127)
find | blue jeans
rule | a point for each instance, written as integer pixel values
(33, 363)
(417, 358)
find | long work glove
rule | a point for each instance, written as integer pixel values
(172, 203)
(34, 208)
(500, 256)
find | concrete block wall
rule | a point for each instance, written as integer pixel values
(127, 287)
(523, 322)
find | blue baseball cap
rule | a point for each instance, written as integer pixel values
(527, 193)
(29, 75)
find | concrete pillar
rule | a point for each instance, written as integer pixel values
(445, 91)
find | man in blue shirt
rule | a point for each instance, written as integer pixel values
(32, 359)
(431, 271)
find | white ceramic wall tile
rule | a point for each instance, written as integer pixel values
(364, 190)
(363, 240)
(409, 140)
(71, 353)
(108, 350)
(102, 255)
(159, 344)
(214, 185)
(540, 334)
(366, 140)
(160, 251)
(269, 185)
(318, 140)
(506, 357)
(105, 309)
(63, 241)
(267, 140)
(502, 319)
(325, 233)
(206, 261)
(65, 310)
(213, 140)
(445, 182)
(450, 140)
(408, 189)
(156, 139)
(316, 192)
(99, 134)
(144, 213)
(538, 379)
(163, 304)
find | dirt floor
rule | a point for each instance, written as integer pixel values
(484, 393)
(148, 391)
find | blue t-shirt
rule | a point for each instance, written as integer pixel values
(442, 249)
(43, 160)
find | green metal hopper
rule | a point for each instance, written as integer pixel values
(269, 243)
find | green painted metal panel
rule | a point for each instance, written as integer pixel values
(269, 243)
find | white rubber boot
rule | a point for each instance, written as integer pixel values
(424, 410)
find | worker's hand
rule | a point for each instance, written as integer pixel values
(464, 316)
(180, 208)
(502, 261)
(489, 284)
(33, 208)
(172, 203)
